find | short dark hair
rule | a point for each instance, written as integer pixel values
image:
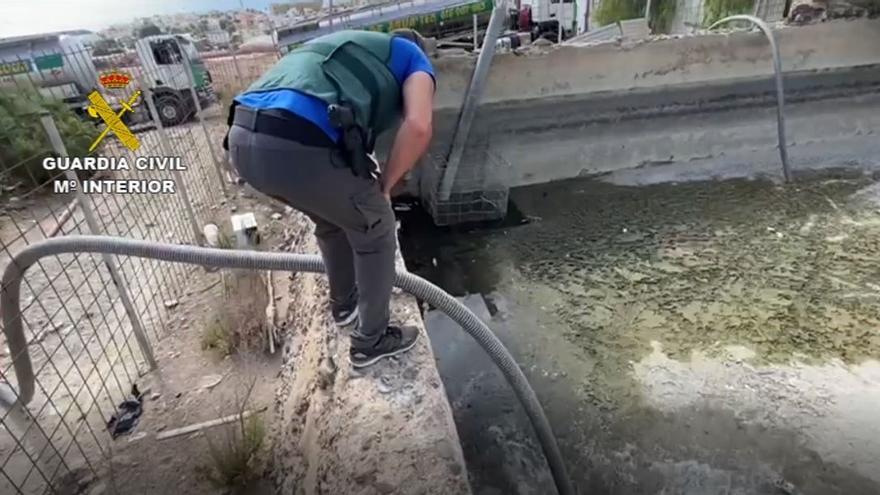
(412, 35)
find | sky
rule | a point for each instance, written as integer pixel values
(19, 17)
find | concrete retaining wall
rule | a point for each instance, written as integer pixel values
(388, 429)
(690, 108)
(573, 70)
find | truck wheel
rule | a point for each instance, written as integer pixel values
(171, 109)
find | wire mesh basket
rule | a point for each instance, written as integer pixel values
(479, 192)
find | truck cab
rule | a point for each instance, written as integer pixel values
(169, 62)
(547, 16)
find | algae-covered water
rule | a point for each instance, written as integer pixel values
(692, 338)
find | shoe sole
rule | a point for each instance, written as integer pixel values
(350, 320)
(376, 359)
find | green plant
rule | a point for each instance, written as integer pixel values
(237, 320)
(234, 453)
(217, 336)
(23, 142)
(715, 10)
(610, 11)
(661, 15)
(225, 240)
(235, 456)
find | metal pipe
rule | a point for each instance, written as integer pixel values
(471, 98)
(780, 92)
(476, 33)
(10, 312)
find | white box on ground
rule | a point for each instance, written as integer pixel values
(244, 227)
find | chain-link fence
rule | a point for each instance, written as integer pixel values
(475, 188)
(233, 71)
(91, 320)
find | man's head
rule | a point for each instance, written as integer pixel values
(412, 35)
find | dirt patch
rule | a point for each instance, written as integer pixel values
(196, 383)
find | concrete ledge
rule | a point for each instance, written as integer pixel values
(387, 430)
(573, 70)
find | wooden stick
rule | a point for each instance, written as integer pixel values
(270, 312)
(65, 216)
(68, 212)
(206, 424)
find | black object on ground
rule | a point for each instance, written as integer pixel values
(127, 415)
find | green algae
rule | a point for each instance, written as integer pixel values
(789, 271)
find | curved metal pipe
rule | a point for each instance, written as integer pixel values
(780, 93)
(415, 285)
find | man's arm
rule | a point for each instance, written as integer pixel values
(414, 135)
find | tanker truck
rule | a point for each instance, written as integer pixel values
(60, 67)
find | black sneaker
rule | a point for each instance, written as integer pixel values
(395, 340)
(345, 317)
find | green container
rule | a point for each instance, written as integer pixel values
(427, 22)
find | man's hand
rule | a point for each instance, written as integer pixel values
(414, 135)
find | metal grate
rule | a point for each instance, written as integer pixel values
(479, 193)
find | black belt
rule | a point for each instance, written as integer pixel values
(281, 124)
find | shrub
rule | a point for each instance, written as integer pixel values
(234, 456)
(659, 18)
(610, 11)
(715, 10)
(237, 322)
(661, 15)
(218, 337)
(23, 142)
(234, 451)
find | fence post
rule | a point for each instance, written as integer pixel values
(471, 100)
(476, 33)
(166, 149)
(198, 104)
(237, 69)
(58, 145)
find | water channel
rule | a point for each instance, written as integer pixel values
(699, 338)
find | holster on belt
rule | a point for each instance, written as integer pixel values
(356, 142)
(230, 118)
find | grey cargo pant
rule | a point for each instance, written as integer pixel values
(354, 223)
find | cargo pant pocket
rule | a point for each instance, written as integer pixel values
(374, 210)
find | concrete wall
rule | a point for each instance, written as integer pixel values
(688, 15)
(387, 429)
(573, 70)
(694, 104)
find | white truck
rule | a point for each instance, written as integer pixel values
(551, 18)
(59, 66)
(165, 69)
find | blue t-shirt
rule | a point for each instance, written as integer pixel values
(406, 59)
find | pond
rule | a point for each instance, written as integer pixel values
(698, 338)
